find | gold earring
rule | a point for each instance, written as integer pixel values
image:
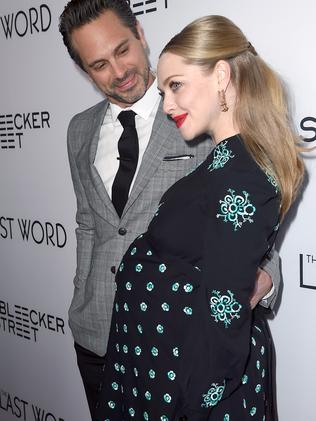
(222, 101)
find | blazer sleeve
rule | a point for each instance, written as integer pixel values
(241, 211)
(85, 230)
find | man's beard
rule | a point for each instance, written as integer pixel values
(129, 98)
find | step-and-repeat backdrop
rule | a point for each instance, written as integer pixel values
(40, 89)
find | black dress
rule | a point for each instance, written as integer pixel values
(184, 343)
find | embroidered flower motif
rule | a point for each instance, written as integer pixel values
(226, 417)
(152, 374)
(139, 267)
(188, 311)
(165, 306)
(131, 412)
(258, 388)
(126, 308)
(224, 308)
(133, 251)
(213, 396)
(188, 288)
(236, 209)
(164, 418)
(125, 328)
(221, 156)
(272, 181)
(115, 386)
(122, 368)
(117, 366)
(140, 328)
(148, 395)
(244, 379)
(150, 286)
(143, 306)
(175, 286)
(253, 411)
(160, 328)
(135, 372)
(128, 286)
(154, 351)
(162, 267)
(175, 351)
(135, 392)
(111, 404)
(121, 267)
(167, 397)
(171, 375)
(149, 253)
(146, 416)
(125, 349)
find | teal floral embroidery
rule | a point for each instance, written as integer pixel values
(139, 267)
(164, 418)
(171, 375)
(258, 364)
(258, 388)
(148, 395)
(165, 307)
(121, 267)
(253, 411)
(125, 328)
(226, 417)
(154, 351)
(146, 416)
(133, 251)
(135, 392)
(143, 306)
(272, 181)
(175, 351)
(122, 368)
(115, 386)
(263, 373)
(188, 288)
(111, 404)
(126, 308)
(138, 350)
(188, 311)
(117, 347)
(258, 328)
(244, 403)
(160, 329)
(175, 286)
(117, 307)
(140, 328)
(224, 308)
(236, 209)
(150, 286)
(221, 156)
(152, 374)
(117, 366)
(244, 379)
(131, 412)
(135, 372)
(162, 267)
(125, 349)
(149, 253)
(167, 397)
(213, 396)
(253, 341)
(262, 350)
(128, 286)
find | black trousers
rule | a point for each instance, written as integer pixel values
(91, 367)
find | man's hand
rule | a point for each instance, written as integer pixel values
(262, 287)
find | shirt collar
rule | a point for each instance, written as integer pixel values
(143, 107)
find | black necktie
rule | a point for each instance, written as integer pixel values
(128, 150)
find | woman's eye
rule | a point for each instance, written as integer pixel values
(175, 85)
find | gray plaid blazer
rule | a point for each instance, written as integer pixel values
(102, 237)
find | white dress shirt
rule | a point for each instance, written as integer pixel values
(106, 161)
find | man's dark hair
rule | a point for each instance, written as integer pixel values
(80, 12)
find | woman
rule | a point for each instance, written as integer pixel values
(184, 343)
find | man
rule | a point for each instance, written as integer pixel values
(106, 41)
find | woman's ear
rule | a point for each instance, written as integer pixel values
(222, 72)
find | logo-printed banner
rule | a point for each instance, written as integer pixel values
(41, 89)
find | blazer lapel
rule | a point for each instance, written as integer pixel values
(153, 156)
(111, 214)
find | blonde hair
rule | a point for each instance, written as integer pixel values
(261, 109)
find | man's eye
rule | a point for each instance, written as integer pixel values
(99, 66)
(123, 51)
(175, 85)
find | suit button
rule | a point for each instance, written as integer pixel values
(113, 269)
(122, 231)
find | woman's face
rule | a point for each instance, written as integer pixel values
(190, 95)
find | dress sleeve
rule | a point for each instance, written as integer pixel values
(240, 210)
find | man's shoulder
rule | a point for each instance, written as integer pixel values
(90, 112)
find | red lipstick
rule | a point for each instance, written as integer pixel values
(179, 119)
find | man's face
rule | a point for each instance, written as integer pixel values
(114, 58)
